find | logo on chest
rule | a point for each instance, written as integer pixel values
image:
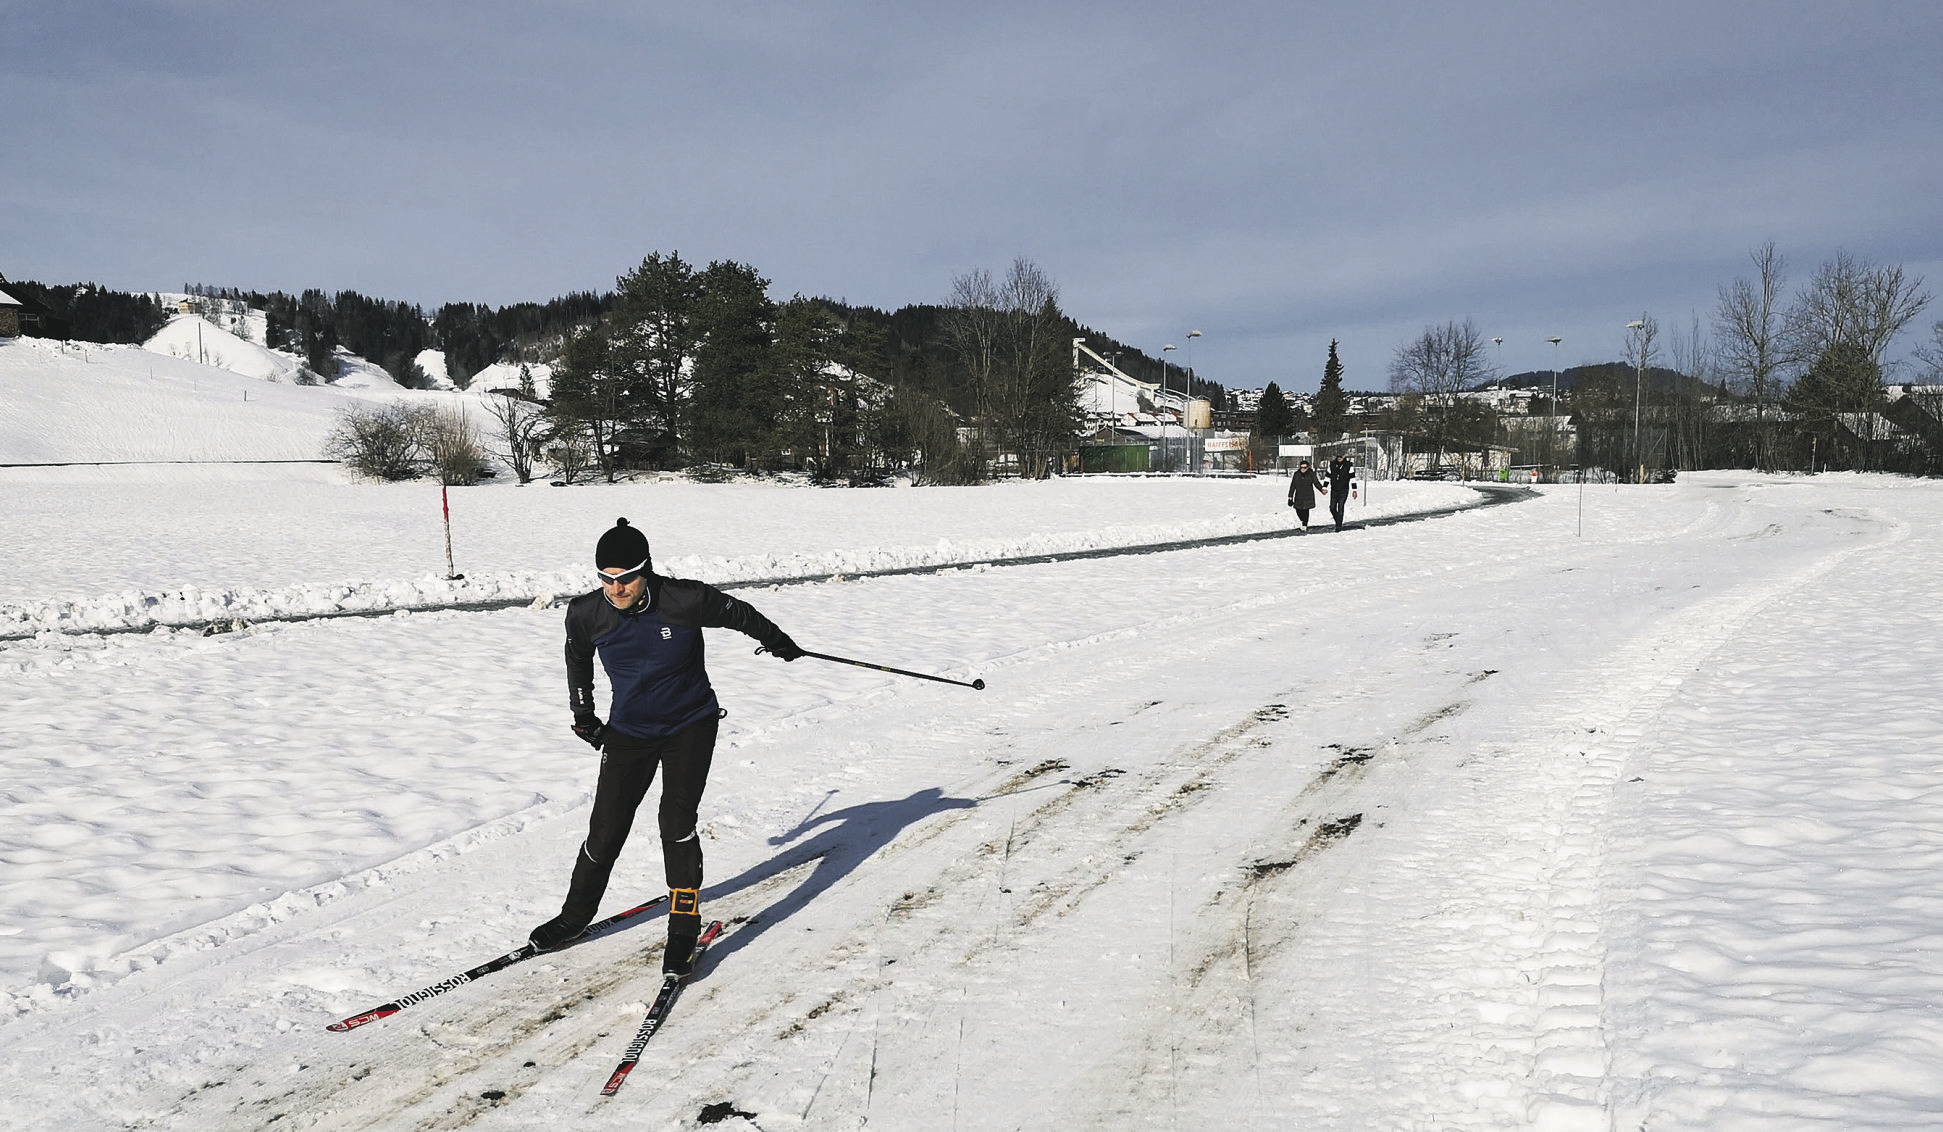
(667, 634)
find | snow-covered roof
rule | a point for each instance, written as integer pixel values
(9, 301)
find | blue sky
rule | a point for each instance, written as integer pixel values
(1273, 175)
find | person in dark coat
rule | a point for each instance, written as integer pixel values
(1341, 474)
(1303, 487)
(647, 631)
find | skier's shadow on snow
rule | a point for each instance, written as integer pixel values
(849, 837)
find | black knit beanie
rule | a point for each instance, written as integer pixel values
(622, 548)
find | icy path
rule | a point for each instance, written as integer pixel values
(1336, 832)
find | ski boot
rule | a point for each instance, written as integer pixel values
(684, 928)
(583, 900)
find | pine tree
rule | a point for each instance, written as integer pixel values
(1272, 416)
(805, 382)
(588, 402)
(732, 407)
(654, 338)
(1332, 404)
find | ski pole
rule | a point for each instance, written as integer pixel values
(977, 685)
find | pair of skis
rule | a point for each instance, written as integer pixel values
(664, 1001)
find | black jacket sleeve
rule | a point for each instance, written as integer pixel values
(583, 629)
(684, 602)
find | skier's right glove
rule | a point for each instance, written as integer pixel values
(590, 728)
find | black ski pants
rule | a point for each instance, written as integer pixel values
(1336, 505)
(627, 767)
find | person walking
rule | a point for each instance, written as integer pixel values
(1303, 487)
(647, 631)
(1341, 474)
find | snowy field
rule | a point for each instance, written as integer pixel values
(1609, 809)
(1476, 822)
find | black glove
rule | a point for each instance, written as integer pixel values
(783, 647)
(590, 728)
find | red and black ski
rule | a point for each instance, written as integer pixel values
(670, 987)
(518, 955)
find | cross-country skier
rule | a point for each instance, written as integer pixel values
(1341, 473)
(647, 631)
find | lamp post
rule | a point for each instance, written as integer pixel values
(1163, 387)
(1188, 389)
(1551, 432)
(1113, 387)
(1643, 338)
(1496, 429)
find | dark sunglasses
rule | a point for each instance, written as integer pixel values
(622, 578)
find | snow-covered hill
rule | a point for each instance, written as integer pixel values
(196, 339)
(84, 402)
(192, 393)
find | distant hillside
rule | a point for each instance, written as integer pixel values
(97, 314)
(916, 331)
(355, 340)
(117, 404)
(1656, 376)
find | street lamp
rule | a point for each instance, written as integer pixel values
(1551, 434)
(1163, 389)
(1113, 387)
(1639, 380)
(1188, 389)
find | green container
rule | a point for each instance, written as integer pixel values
(1114, 458)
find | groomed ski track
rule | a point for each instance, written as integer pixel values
(1488, 495)
(1353, 789)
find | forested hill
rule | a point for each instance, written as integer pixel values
(472, 336)
(917, 331)
(1571, 377)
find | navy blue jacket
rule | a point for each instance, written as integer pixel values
(653, 653)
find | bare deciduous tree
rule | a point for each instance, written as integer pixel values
(1931, 355)
(1010, 336)
(451, 444)
(1749, 326)
(1852, 302)
(520, 421)
(382, 442)
(1691, 399)
(1436, 366)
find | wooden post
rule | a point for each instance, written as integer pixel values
(445, 504)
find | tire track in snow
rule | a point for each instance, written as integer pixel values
(1517, 843)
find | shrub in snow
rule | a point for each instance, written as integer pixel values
(382, 442)
(452, 447)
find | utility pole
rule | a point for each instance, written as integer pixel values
(1551, 432)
